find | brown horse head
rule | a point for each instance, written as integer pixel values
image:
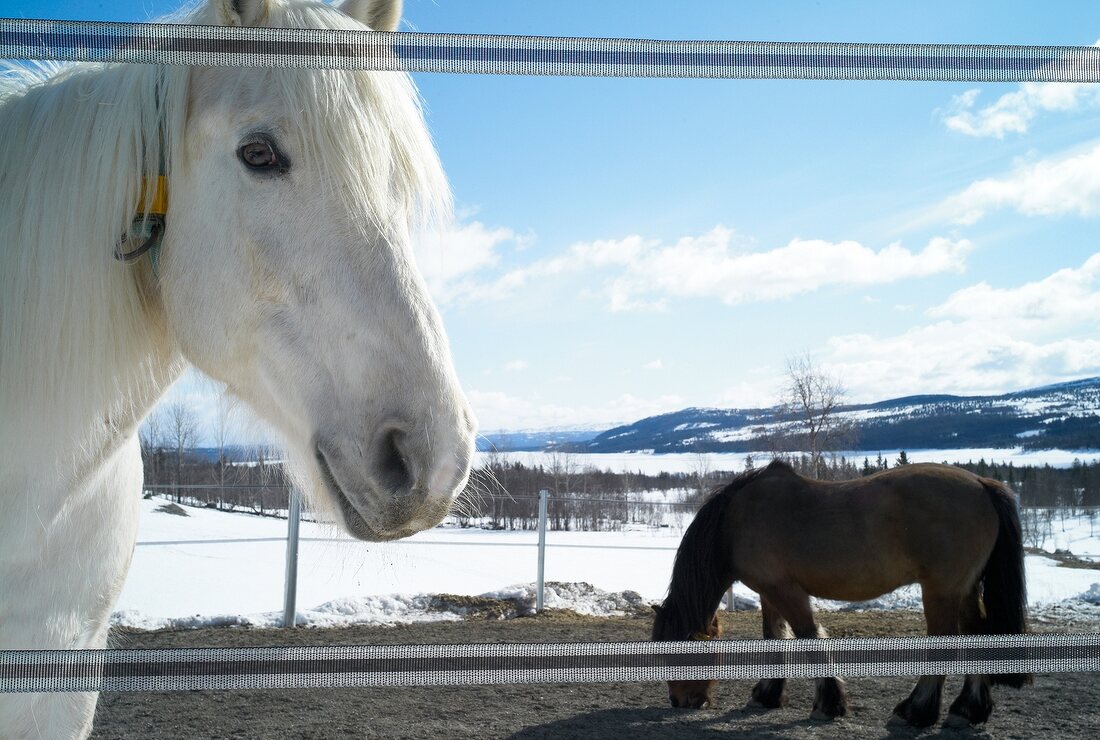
(687, 694)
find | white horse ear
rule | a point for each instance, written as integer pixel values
(381, 15)
(242, 12)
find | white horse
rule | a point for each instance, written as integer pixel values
(285, 272)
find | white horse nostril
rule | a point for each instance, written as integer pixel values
(393, 466)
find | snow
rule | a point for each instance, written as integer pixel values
(1092, 596)
(195, 570)
(695, 425)
(878, 413)
(688, 462)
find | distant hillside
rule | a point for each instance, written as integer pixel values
(539, 439)
(233, 453)
(1066, 415)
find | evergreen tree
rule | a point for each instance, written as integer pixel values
(903, 459)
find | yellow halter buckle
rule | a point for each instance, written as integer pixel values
(147, 226)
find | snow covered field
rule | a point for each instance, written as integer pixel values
(648, 462)
(179, 583)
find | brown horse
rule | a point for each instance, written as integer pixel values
(789, 538)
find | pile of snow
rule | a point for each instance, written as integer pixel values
(688, 462)
(394, 609)
(1092, 596)
(583, 598)
(906, 597)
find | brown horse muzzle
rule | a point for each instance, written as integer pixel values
(691, 694)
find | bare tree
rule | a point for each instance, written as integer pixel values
(562, 467)
(702, 474)
(151, 437)
(811, 400)
(223, 425)
(182, 430)
(493, 481)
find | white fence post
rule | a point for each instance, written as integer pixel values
(290, 593)
(543, 496)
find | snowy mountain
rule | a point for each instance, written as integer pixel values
(523, 440)
(1065, 415)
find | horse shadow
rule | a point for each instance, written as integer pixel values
(653, 723)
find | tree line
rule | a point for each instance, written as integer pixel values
(224, 477)
(503, 494)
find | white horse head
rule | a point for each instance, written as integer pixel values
(285, 271)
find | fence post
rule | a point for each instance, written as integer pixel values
(543, 496)
(290, 593)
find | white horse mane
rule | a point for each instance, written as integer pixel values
(81, 161)
(65, 303)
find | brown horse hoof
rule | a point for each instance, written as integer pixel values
(830, 701)
(904, 713)
(896, 720)
(972, 707)
(821, 716)
(957, 722)
(769, 695)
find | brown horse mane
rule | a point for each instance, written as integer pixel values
(702, 572)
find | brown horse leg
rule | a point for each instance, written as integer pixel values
(975, 703)
(771, 693)
(922, 707)
(830, 699)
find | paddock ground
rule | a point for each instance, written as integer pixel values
(1056, 706)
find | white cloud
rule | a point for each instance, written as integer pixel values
(578, 257)
(646, 274)
(654, 365)
(705, 266)
(1050, 187)
(985, 340)
(956, 357)
(1064, 299)
(498, 410)
(1013, 112)
(448, 259)
(758, 387)
(200, 395)
(515, 366)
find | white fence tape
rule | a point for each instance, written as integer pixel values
(512, 663)
(168, 43)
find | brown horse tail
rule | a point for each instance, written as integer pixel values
(1004, 587)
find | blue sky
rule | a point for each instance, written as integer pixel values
(628, 247)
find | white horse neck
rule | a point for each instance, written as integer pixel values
(83, 353)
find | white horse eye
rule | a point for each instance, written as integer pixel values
(261, 154)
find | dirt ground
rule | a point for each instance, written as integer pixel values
(1056, 706)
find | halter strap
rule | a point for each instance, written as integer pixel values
(148, 225)
(149, 221)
